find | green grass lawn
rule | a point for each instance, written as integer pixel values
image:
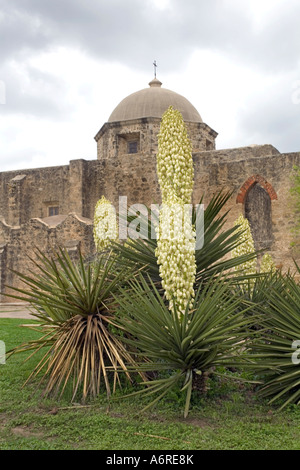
(231, 417)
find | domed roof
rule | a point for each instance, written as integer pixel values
(153, 102)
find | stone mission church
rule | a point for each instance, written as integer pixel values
(44, 206)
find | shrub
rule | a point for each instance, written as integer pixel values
(276, 347)
(211, 333)
(74, 303)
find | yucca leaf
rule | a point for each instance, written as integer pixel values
(273, 348)
(80, 347)
(208, 336)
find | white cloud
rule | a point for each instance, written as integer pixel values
(162, 4)
(90, 90)
(264, 12)
(67, 64)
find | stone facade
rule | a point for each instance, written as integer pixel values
(113, 138)
(17, 250)
(45, 207)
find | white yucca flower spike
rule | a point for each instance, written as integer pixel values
(176, 255)
(267, 264)
(105, 224)
(176, 239)
(246, 246)
(174, 158)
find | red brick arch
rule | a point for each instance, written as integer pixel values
(251, 182)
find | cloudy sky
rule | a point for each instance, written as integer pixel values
(66, 64)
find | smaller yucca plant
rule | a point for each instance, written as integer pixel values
(246, 246)
(72, 301)
(105, 224)
(276, 347)
(211, 333)
(267, 264)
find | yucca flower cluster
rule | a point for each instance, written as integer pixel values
(175, 234)
(246, 246)
(174, 159)
(267, 264)
(105, 224)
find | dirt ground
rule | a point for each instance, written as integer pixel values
(15, 311)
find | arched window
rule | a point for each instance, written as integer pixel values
(257, 195)
(259, 214)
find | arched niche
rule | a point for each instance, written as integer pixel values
(258, 211)
(257, 195)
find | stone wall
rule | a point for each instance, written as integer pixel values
(76, 188)
(272, 172)
(113, 136)
(29, 193)
(19, 244)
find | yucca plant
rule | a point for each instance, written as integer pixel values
(211, 260)
(276, 348)
(210, 334)
(256, 288)
(72, 301)
(219, 243)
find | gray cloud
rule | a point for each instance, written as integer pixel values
(20, 31)
(272, 118)
(133, 32)
(34, 93)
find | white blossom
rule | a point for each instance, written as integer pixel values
(105, 224)
(245, 247)
(176, 238)
(174, 158)
(176, 256)
(267, 264)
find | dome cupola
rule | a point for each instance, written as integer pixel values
(133, 126)
(152, 102)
